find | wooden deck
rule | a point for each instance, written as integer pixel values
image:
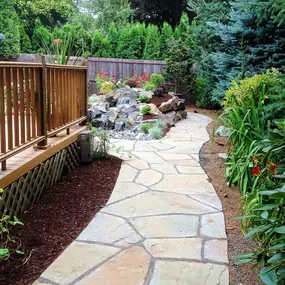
(28, 159)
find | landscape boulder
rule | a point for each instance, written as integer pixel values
(173, 104)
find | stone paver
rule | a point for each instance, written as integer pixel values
(163, 224)
(167, 226)
(184, 248)
(188, 273)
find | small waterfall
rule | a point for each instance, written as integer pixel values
(104, 119)
(123, 100)
(120, 125)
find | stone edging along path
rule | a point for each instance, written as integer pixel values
(163, 224)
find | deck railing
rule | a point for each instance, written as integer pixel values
(38, 101)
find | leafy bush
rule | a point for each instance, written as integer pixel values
(5, 223)
(102, 143)
(145, 127)
(256, 161)
(202, 93)
(149, 87)
(156, 132)
(160, 123)
(156, 79)
(158, 92)
(107, 87)
(144, 99)
(251, 87)
(146, 110)
(132, 83)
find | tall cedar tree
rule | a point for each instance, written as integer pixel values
(113, 36)
(10, 46)
(166, 35)
(152, 46)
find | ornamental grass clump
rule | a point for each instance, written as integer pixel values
(156, 132)
(144, 99)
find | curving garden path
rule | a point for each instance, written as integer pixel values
(163, 224)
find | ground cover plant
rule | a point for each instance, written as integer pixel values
(255, 113)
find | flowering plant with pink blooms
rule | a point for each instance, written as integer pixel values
(103, 76)
(138, 81)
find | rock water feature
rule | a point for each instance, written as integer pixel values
(119, 113)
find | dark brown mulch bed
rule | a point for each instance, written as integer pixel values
(58, 218)
(230, 198)
(157, 101)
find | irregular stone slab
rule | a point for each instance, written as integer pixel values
(186, 248)
(161, 146)
(164, 168)
(213, 225)
(190, 169)
(148, 177)
(172, 156)
(76, 260)
(123, 190)
(130, 267)
(123, 145)
(127, 173)
(150, 157)
(188, 162)
(211, 201)
(178, 136)
(38, 282)
(138, 164)
(168, 226)
(185, 184)
(216, 250)
(189, 273)
(191, 149)
(142, 146)
(157, 203)
(109, 229)
(195, 156)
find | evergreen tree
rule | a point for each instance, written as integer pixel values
(246, 46)
(106, 50)
(41, 35)
(137, 43)
(25, 42)
(10, 46)
(113, 37)
(166, 35)
(125, 40)
(152, 46)
(97, 44)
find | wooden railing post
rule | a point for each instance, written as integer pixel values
(43, 106)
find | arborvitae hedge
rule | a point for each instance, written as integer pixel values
(152, 46)
(10, 46)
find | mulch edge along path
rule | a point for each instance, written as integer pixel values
(58, 218)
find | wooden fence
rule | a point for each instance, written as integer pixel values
(121, 68)
(38, 101)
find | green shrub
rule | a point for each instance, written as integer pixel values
(103, 144)
(144, 99)
(5, 224)
(156, 79)
(149, 87)
(145, 127)
(251, 87)
(202, 93)
(146, 110)
(156, 132)
(160, 124)
(106, 87)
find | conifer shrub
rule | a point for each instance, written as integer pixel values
(156, 79)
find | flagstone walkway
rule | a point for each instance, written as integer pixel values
(163, 224)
